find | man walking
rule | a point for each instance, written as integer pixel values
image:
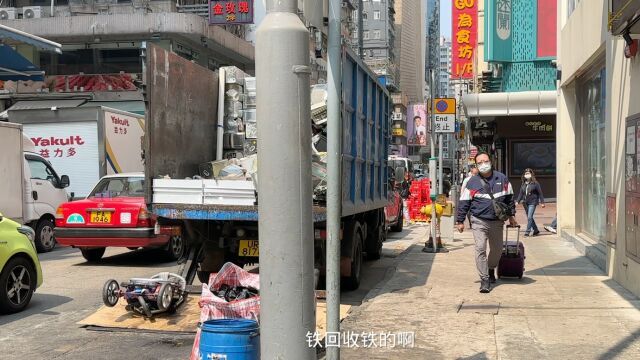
(476, 198)
(473, 172)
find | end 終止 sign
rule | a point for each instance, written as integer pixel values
(230, 12)
(444, 115)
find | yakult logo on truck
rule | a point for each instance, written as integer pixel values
(53, 141)
(57, 142)
(118, 121)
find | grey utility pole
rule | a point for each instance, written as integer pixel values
(334, 169)
(432, 161)
(285, 195)
(360, 30)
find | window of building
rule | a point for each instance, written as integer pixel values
(376, 34)
(376, 0)
(590, 191)
(364, 16)
(365, 35)
(376, 15)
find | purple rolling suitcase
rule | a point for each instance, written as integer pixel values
(512, 259)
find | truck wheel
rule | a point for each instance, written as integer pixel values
(400, 222)
(374, 245)
(175, 248)
(353, 281)
(45, 241)
(17, 284)
(92, 255)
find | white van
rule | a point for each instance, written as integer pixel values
(31, 190)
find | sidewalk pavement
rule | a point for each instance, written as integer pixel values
(564, 307)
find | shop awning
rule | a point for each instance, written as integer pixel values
(510, 104)
(25, 38)
(14, 66)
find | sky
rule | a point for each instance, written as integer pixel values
(445, 18)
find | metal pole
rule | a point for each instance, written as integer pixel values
(285, 196)
(432, 162)
(334, 166)
(360, 29)
(221, 97)
(440, 179)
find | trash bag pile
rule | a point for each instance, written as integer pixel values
(233, 293)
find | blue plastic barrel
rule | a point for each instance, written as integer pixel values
(230, 339)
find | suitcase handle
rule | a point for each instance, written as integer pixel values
(506, 237)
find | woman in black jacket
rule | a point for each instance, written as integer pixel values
(530, 195)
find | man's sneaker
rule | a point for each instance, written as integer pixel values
(485, 286)
(550, 229)
(492, 276)
(535, 233)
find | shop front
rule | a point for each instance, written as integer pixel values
(518, 130)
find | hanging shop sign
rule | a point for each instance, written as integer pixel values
(230, 12)
(465, 38)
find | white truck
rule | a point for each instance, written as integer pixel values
(31, 189)
(86, 142)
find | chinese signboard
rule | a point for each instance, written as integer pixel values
(417, 125)
(465, 38)
(500, 30)
(398, 132)
(445, 115)
(230, 12)
(538, 126)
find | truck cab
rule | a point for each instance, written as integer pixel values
(44, 191)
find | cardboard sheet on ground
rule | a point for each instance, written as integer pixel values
(184, 321)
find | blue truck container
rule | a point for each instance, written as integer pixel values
(220, 231)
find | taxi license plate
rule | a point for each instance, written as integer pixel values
(100, 217)
(248, 248)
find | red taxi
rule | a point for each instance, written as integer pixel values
(114, 214)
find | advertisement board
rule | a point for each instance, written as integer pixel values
(417, 120)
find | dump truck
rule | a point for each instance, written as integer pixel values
(180, 134)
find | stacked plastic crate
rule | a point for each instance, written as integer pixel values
(420, 197)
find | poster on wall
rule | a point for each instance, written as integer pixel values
(417, 125)
(540, 156)
(465, 38)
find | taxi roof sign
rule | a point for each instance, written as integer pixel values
(445, 106)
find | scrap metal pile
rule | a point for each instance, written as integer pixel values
(240, 144)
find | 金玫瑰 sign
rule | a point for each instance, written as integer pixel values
(465, 38)
(230, 12)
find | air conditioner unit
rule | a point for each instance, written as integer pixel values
(7, 13)
(32, 12)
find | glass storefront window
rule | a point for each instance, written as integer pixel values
(591, 170)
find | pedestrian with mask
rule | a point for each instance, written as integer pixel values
(489, 199)
(473, 172)
(530, 195)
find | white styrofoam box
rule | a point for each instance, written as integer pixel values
(229, 192)
(250, 116)
(178, 191)
(250, 83)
